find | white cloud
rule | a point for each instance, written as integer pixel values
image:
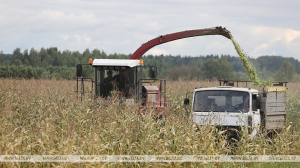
(271, 40)
(266, 45)
(290, 35)
(217, 45)
(87, 39)
(179, 43)
(156, 51)
(78, 37)
(155, 26)
(64, 37)
(54, 20)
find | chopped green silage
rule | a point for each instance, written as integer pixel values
(249, 70)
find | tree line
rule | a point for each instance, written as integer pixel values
(52, 63)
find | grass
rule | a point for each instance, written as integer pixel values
(45, 117)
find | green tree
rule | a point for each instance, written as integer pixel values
(185, 72)
(96, 54)
(34, 58)
(286, 72)
(17, 57)
(1, 57)
(25, 56)
(25, 62)
(54, 55)
(86, 56)
(46, 59)
(103, 54)
(217, 69)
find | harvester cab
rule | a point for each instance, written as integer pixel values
(123, 78)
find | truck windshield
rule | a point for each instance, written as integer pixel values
(221, 101)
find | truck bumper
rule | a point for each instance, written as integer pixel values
(220, 119)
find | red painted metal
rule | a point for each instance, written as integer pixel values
(154, 100)
(154, 97)
(179, 35)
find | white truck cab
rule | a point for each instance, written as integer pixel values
(236, 107)
(226, 106)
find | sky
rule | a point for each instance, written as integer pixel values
(122, 26)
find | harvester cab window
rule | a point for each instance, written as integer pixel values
(104, 81)
(122, 82)
(119, 80)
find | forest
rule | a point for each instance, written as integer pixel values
(51, 63)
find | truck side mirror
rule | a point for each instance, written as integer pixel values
(258, 101)
(79, 71)
(186, 101)
(153, 72)
(255, 101)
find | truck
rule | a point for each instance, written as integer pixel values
(230, 108)
(124, 77)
